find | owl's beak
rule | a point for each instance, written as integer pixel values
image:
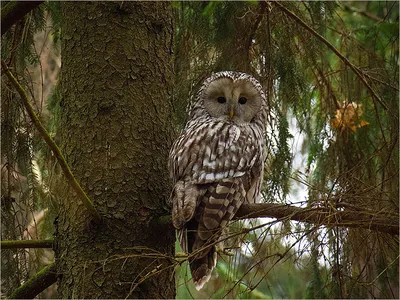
(231, 113)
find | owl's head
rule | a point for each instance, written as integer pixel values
(232, 96)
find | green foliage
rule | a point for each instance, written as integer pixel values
(281, 162)
(316, 288)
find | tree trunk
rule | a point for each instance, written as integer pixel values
(116, 133)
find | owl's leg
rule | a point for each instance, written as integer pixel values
(221, 241)
(220, 246)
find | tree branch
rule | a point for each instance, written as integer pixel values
(363, 13)
(329, 217)
(53, 146)
(320, 216)
(26, 244)
(355, 69)
(36, 284)
(14, 11)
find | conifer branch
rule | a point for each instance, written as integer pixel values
(381, 82)
(52, 145)
(355, 69)
(14, 11)
(36, 284)
(26, 244)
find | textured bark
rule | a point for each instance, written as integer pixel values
(116, 133)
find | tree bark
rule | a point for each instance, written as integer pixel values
(116, 133)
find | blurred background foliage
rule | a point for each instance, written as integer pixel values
(333, 133)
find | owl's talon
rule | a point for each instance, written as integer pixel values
(225, 252)
(181, 255)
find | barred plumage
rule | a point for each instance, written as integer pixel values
(217, 164)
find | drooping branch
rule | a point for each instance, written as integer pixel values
(36, 284)
(26, 244)
(354, 68)
(14, 11)
(52, 145)
(329, 217)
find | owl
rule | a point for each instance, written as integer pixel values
(216, 164)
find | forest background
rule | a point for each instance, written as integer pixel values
(110, 82)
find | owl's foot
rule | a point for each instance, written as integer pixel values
(225, 251)
(181, 255)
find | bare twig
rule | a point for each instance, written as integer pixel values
(52, 145)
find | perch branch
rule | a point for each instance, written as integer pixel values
(355, 69)
(330, 217)
(27, 244)
(36, 284)
(323, 216)
(53, 146)
(14, 11)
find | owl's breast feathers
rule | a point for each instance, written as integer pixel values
(208, 152)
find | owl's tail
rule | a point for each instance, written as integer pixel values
(201, 268)
(202, 259)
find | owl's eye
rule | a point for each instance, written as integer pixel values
(221, 100)
(242, 100)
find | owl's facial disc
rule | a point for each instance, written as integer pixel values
(236, 101)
